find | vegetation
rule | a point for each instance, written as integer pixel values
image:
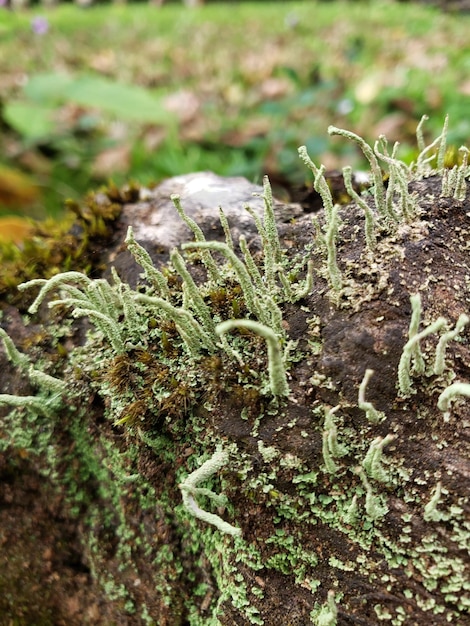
(233, 472)
(137, 92)
(248, 426)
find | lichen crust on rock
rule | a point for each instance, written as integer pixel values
(270, 428)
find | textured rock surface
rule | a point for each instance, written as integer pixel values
(124, 552)
(158, 227)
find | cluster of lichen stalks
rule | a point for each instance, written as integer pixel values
(187, 326)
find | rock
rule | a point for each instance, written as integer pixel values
(344, 515)
(158, 227)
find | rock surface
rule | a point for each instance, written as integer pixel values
(111, 541)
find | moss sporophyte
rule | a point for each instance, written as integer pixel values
(245, 424)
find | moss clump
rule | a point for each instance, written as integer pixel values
(73, 243)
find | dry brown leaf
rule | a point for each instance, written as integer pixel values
(273, 88)
(104, 61)
(184, 104)
(111, 161)
(15, 229)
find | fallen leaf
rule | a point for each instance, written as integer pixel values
(110, 161)
(273, 88)
(104, 61)
(16, 189)
(184, 104)
(15, 229)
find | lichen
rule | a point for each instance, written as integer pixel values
(320, 486)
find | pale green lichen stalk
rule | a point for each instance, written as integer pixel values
(370, 226)
(371, 412)
(143, 258)
(412, 355)
(96, 299)
(377, 177)
(190, 491)
(331, 449)
(372, 462)
(277, 372)
(51, 388)
(332, 222)
(450, 394)
(439, 362)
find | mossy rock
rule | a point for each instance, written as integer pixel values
(341, 502)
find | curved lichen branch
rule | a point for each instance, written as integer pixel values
(419, 133)
(372, 414)
(450, 394)
(18, 359)
(277, 371)
(190, 491)
(427, 153)
(36, 404)
(439, 362)
(143, 258)
(320, 185)
(411, 349)
(379, 189)
(64, 279)
(96, 299)
(36, 377)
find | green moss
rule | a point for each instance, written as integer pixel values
(59, 246)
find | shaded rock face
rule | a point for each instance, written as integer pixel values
(321, 510)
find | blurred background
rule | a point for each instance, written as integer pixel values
(110, 91)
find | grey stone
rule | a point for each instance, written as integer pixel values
(158, 227)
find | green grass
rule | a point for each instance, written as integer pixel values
(253, 81)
